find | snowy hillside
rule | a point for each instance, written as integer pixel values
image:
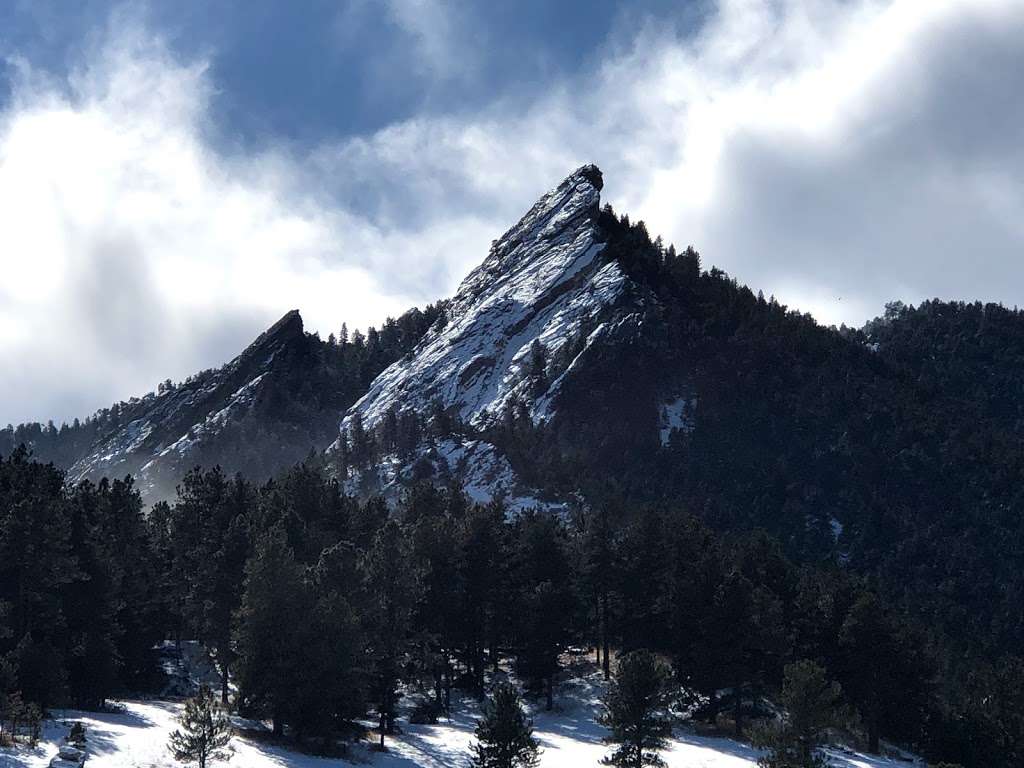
(569, 737)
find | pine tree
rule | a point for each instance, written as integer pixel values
(7, 680)
(204, 732)
(598, 574)
(330, 682)
(545, 600)
(12, 709)
(636, 711)
(36, 565)
(272, 613)
(361, 447)
(481, 568)
(90, 602)
(33, 719)
(884, 674)
(433, 518)
(140, 619)
(743, 639)
(810, 701)
(643, 565)
(504, 734)
(211, 542)
(392, 592)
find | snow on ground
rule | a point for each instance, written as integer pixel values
(483, 472)
(570, 737)
(137, 738)
(676, 415)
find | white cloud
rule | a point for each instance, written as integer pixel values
(837, 154)
(131, 251)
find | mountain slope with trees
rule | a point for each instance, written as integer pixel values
(738, 488)
(270, 407)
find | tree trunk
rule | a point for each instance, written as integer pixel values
(278, 726)
(551, 692)
(604, 632)
(447, 684)
(224, 683)
(383, 725)
(738, 711)
(481, 665)
(873, 734)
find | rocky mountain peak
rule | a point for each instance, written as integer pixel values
(558, 218)
(542, 281)
(506, 335)
(162, 432)
(287, 329)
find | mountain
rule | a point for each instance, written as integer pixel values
(507, 340)
(969, 352)
(262, 412)
(541, 282)
(168, 433)
(585, 362)
(588, 369)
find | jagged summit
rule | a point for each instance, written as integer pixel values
(502, 340)
(290, 325)
(164, 433)
(542, 281)
(563, 212)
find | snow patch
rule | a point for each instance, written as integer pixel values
(570, 737)
(676, 415)
(480, 469)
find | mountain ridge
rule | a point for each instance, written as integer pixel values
(501, 345)
(585, 367)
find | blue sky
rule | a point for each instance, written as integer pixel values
(175, 176)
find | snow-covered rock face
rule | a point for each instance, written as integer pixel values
(542, 281)
(166, 429)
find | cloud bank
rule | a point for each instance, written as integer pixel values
(836, 154)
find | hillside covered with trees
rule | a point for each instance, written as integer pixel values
(323, 609)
